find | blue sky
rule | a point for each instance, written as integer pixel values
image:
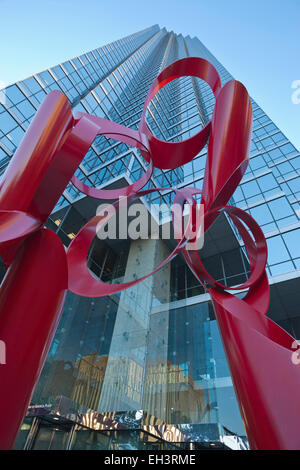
(258, 41)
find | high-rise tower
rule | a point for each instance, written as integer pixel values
(152, 355)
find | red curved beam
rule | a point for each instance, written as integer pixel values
(174, 154)
(112, 130)
(229, 144)
(81, 281)
(31, 302)
(257, 251)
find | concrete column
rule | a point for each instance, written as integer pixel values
(125, 372)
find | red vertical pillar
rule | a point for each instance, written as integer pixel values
(31, 300)
(266, 380)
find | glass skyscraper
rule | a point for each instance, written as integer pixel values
(146, 368)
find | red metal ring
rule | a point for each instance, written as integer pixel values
(100, 126)
(256, 249)
(170, 155)
(81, 282)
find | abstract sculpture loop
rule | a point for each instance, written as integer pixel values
(39, 270)
(81, 281)
(123, 134)
(170, 155)
(256, 249)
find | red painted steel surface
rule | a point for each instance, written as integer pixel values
(229, 143)
(28, 170)
(174, 154)
(80, 279)
(100, 126)
(265, 379)
(31, 296)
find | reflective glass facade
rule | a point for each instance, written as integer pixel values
(153, 353)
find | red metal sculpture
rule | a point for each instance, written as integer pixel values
(39, 271)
